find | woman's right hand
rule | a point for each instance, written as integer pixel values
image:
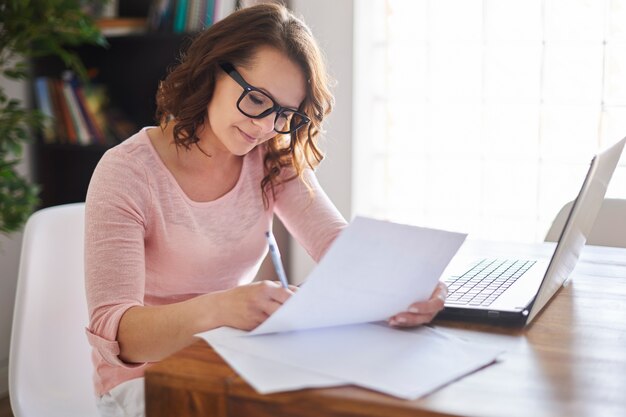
(151, 333)
(247, 306)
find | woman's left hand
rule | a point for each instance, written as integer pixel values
(421, 312)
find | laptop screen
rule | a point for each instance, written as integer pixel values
(578, 225)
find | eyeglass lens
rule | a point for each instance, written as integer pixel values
(255, 104)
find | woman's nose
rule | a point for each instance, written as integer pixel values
(266, 124)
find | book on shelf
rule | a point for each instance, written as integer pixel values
(65, 119)
(196, 12)
(57, 121)
(207, 13)
(95, 132)
(79, 113)
(223, 8)
(161, 16)
(83, 135)
(44, 102)
(182, 16)
(96, 102)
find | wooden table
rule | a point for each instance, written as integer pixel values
(570, 362)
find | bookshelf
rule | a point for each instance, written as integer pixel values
(143, 43)
(137, 58)
(128, 71)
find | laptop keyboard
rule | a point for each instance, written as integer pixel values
(485, 281)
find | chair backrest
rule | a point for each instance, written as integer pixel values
(50, 371)
(608, 230)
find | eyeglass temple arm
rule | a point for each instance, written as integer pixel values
(230, 70)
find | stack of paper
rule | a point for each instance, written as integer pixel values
(326, 334)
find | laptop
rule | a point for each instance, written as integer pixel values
(514, 291)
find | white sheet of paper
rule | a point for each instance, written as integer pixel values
(265, 375)
(403, 363)
(374, 269)
(321, 336)
(268, 376)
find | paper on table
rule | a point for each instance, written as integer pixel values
(265, 375)
(403, 363)
(374, 269)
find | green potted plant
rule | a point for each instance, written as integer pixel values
(30, 29)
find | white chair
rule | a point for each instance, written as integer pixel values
(608, 230)
(50, 371)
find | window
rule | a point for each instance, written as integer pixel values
(482, 115)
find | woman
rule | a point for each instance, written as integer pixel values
(176, 215)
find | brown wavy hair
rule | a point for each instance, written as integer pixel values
(187, 90)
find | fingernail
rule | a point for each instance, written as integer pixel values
(414, 310)
(401, 319)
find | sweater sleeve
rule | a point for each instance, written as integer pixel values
(309, 215)
(115, 227)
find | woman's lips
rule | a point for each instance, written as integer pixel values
(247, 137)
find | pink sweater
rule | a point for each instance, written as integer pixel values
(147, 243)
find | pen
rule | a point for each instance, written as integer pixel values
(278, 265)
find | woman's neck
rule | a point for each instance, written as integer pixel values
(208, 154)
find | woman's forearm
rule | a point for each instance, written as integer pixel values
(151, 333)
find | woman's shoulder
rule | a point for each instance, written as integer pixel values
(132, 155)
(121, 176)
(127, 163)
(136, 146)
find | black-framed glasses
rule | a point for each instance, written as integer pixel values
(257, 104)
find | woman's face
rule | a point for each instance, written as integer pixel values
(273, 73)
